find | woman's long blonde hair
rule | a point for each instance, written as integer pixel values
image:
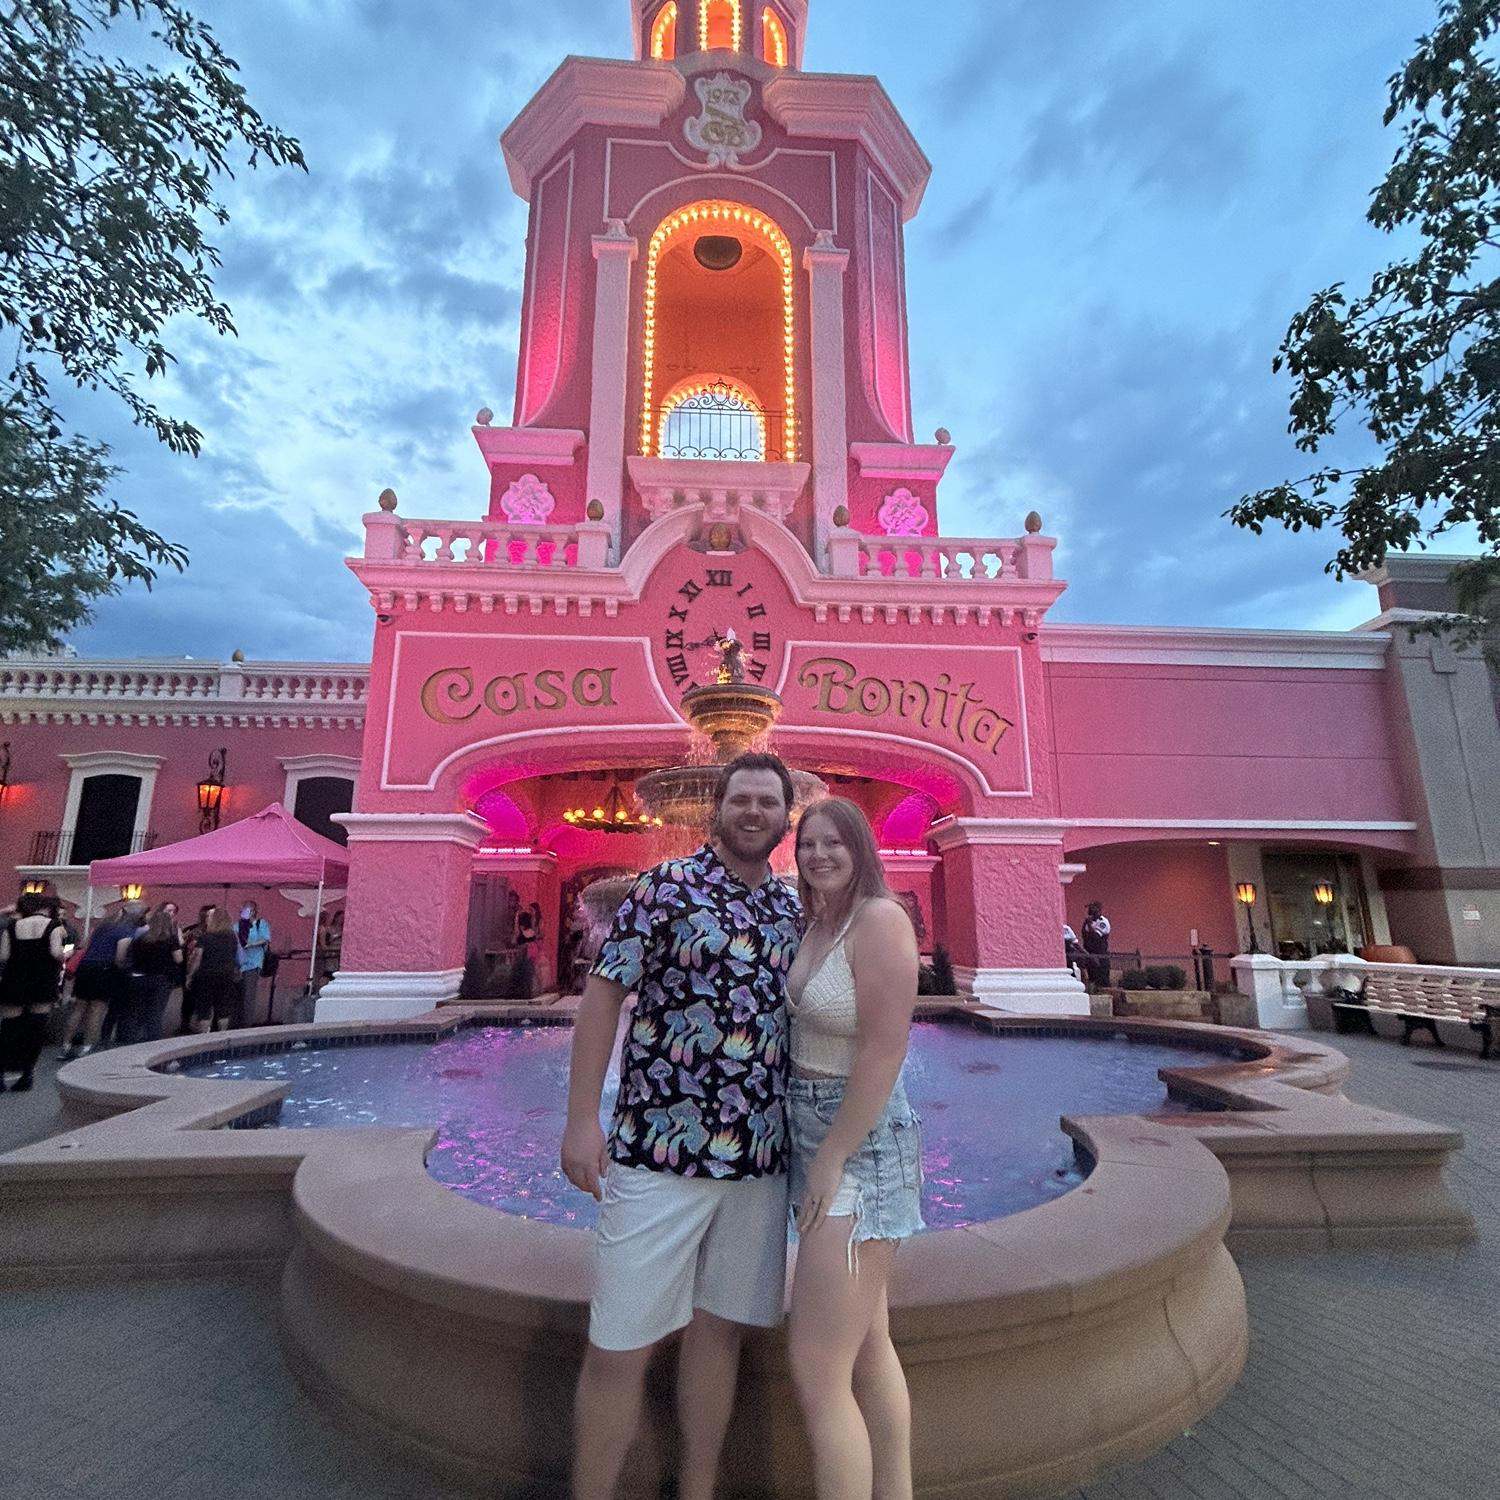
(868, 879)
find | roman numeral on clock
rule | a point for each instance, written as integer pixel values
(678, 667)
(677, 614)
(675, 640)
(756, 612)
(762, 641)
(758, 670)
(720, 578)
(690, 591)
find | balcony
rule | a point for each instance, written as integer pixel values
(61, 848)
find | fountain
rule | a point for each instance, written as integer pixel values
(729, 714)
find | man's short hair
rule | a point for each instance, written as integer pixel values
(754, 760)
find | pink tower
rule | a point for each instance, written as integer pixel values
(712, 431)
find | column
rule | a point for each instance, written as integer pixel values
(406, 921)
(1002, 895)
(826, 265)
(614, 253)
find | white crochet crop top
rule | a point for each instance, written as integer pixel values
(824, 1019)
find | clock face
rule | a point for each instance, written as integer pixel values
(702, 612)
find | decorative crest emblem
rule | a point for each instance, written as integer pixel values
(527, 501)
(722, 132)
(902, 514)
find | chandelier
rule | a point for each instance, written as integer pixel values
(612, 815)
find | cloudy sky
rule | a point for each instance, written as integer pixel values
(1127, 205)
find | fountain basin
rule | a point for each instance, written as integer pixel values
(1040, 1348)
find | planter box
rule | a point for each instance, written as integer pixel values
(1165, 1005)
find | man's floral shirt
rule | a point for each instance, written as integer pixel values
(704, 1063)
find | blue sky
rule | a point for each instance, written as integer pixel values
(1127, 205)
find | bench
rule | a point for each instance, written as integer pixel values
(1420, 1001)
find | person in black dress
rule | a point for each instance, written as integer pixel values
(153, 960)
(215, 979)
(33, 946)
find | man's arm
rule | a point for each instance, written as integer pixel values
(584, 1157)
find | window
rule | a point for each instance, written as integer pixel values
(105, 826)
(719, 25)
(318, 799)
(773, 38)
(664, 33)
(107, 810)
(317, 787)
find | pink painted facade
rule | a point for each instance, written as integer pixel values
(712, 431)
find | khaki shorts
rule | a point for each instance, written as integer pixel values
(667, 1245)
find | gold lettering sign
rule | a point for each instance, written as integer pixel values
(451, 696)
(940, 705)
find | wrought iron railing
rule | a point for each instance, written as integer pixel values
(56, 846)
(716, 423)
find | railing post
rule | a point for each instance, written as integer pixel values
(843, 553)
(593, 544)
(384, 537)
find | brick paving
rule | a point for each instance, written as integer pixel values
(1372, 1375)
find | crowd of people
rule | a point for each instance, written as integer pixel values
(119, 986)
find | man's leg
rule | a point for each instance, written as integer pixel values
(707, 1373)
(606, 1413)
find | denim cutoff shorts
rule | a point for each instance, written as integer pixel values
(882, 1183)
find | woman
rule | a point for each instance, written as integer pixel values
(856, 1155)
(153, 961)
(215, 979)
(33, 947)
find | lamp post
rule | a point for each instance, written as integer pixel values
(132, 892)
(1245, 894)
(211, 791)
(1323, 894)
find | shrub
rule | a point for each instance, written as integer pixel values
(476, 980)
(1176, 977)
(942, 973)
(1135, 979)
(1156, 977)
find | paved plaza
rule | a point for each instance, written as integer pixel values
(1371, 1374)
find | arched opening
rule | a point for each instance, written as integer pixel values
(717, 418)
(719, 312)
(773, 39)
(664, 33)
(720, 25)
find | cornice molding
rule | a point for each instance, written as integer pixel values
(587, 91)
(415, 828)
(1310, 650)
(848, 107)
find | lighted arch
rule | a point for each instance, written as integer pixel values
(705, 218)
(706, 385)
(720, 25)
(664, 33)
(773, 38)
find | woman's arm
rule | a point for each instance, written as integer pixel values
(57, 943)
(884, 960)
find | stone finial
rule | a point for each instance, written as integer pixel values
(483, 417)
(943, 436)
(387, 500)
(595, 511)
(841, 515)
(1034, 523)
(238, 656)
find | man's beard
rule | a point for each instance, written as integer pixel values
(748, 847)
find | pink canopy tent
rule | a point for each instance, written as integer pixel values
(270, 849)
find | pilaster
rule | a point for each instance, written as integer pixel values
(614, 253)
(826, 264)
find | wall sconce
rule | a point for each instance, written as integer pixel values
(211, 792)
(34, 888)
(132, 892)
(1323, 893)
(1244, 893)
(4, 770)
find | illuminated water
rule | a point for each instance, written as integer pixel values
(497, 1096)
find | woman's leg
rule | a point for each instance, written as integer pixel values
(93, 1024)
(832, 1314)
(880, 1389)
(10, 1040)
(33, 1034)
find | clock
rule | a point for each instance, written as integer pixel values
(703, 611)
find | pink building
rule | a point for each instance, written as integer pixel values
(712, 432)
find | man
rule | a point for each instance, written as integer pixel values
(692, 1228)
(1096, 945)
(254, 934)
